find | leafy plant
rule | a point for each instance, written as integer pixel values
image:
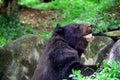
(45, 35)
(3, 41)
(28, 2)
(106, 72)
(76, 75)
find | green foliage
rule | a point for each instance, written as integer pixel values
(28, 2)
(11, 28)
(1, 2)
(45, 35)
(3, 41)
(106, 72)
(109, 71)
(82, 11)
(76, 75)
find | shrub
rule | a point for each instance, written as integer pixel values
(11, 28)
(106, 72)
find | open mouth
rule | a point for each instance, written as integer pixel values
(89, 37)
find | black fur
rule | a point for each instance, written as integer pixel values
(62, 54)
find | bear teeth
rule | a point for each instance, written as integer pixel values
(89, 37)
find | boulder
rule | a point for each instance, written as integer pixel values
(5, 61)
(97, 50)
(19, 58)
(115, 52)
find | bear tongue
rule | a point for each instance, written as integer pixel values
(89, 37)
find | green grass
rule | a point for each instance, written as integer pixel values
(82, 11)
(106, 72)
(28, 2)
(72, 11)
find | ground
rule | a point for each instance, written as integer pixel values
(41, 19)
(37, 19)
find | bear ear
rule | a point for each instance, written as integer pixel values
(58, 27)
(59, 30)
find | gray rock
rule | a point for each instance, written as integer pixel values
(19, 58)
(97, 50)
(5, 61)
(115, 52)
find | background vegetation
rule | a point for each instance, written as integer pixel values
(98, 12)
(81, 11)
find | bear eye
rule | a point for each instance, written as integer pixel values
(76, 29)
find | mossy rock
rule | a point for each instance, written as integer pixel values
(19, 58)
(97, 50)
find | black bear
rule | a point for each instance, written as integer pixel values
(62, 53)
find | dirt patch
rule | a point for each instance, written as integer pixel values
(37, 19)
(115, 11)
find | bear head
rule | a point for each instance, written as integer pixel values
(76, 35)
